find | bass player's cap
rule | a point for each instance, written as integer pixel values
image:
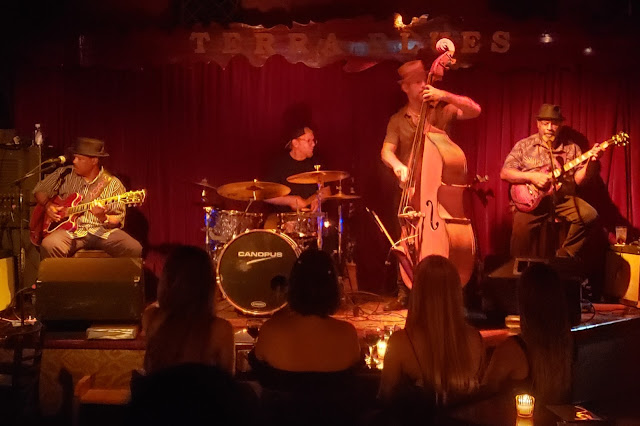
(412, 71)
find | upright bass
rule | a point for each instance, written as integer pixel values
(433, 207)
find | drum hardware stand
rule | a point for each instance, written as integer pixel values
(319, 219)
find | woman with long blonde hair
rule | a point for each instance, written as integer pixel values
(438, 350)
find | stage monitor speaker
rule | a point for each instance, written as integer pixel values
(500, 287)
(622, 274)
(90, 289)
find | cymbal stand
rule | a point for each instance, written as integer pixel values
(340, 227)
(319, 218)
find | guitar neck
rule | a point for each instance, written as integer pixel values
(581, 159)
(80, 208)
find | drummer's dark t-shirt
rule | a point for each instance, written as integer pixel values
(285, 166)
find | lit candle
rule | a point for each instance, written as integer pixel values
(524, 405)
(382, 348)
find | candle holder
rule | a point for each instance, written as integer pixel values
(524, 405)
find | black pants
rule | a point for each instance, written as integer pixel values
(527, 227)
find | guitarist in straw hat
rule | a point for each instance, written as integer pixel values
(529, 163)
(97, 228)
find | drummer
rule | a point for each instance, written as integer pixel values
(299, 159)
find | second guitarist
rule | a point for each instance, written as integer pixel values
(98, 228)
(529, 162)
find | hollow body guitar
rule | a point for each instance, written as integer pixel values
(526, 196)
(41, 225)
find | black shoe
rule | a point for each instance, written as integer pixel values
(397, 304)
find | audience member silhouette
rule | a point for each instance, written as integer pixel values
(191, 394)
(437, 357)
(182, 327)
(304, 358)
(540, 359)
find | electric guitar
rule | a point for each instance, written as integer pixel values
(527, 196)
(41, 225)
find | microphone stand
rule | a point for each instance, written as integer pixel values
(554, 190)
(21, 248)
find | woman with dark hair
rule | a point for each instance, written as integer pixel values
(304, 358)
(182, 327)
(538, 360)
(437, 353)
(305, 337)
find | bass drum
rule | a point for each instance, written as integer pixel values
(253, 271)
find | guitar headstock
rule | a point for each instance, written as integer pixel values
(621, 139)
(133, 197)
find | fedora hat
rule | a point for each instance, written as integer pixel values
(412, 71)
(550, 112)
(89, 147)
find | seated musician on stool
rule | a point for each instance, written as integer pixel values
(529, 163)
(298, 160)
(401, 128)
(98, 228)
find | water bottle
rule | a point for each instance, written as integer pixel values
(37, 138)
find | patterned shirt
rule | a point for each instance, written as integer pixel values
(71, 183)
(531, 154)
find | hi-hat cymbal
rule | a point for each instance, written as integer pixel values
(204, 183)
(253, 190)
(341, 196)
(318, 176)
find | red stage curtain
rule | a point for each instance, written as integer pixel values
(168, 126)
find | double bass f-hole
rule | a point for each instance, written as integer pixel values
(437, 224)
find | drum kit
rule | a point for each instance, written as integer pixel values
(253, 263)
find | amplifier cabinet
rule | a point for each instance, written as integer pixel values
(90, 289)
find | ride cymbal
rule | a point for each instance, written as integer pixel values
(318, 176)
(253, 190)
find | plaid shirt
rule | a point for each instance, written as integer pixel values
(88, 223)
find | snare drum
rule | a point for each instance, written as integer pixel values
(224, 225)
(253, 271)
(300, 224)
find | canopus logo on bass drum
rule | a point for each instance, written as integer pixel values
(260, 254)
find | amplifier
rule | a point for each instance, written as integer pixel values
(90, 289)
(623, 274)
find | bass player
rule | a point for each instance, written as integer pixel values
(529, 163)
(99, 227)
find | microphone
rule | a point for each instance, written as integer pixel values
(58, 160)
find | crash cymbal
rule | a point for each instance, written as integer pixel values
(253, 190)
(318, 176)
(204, 183)
(341, 196)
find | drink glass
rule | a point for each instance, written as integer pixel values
(372, 336)
(253, 328)
(621, 235)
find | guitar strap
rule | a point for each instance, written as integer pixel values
(98, 186)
